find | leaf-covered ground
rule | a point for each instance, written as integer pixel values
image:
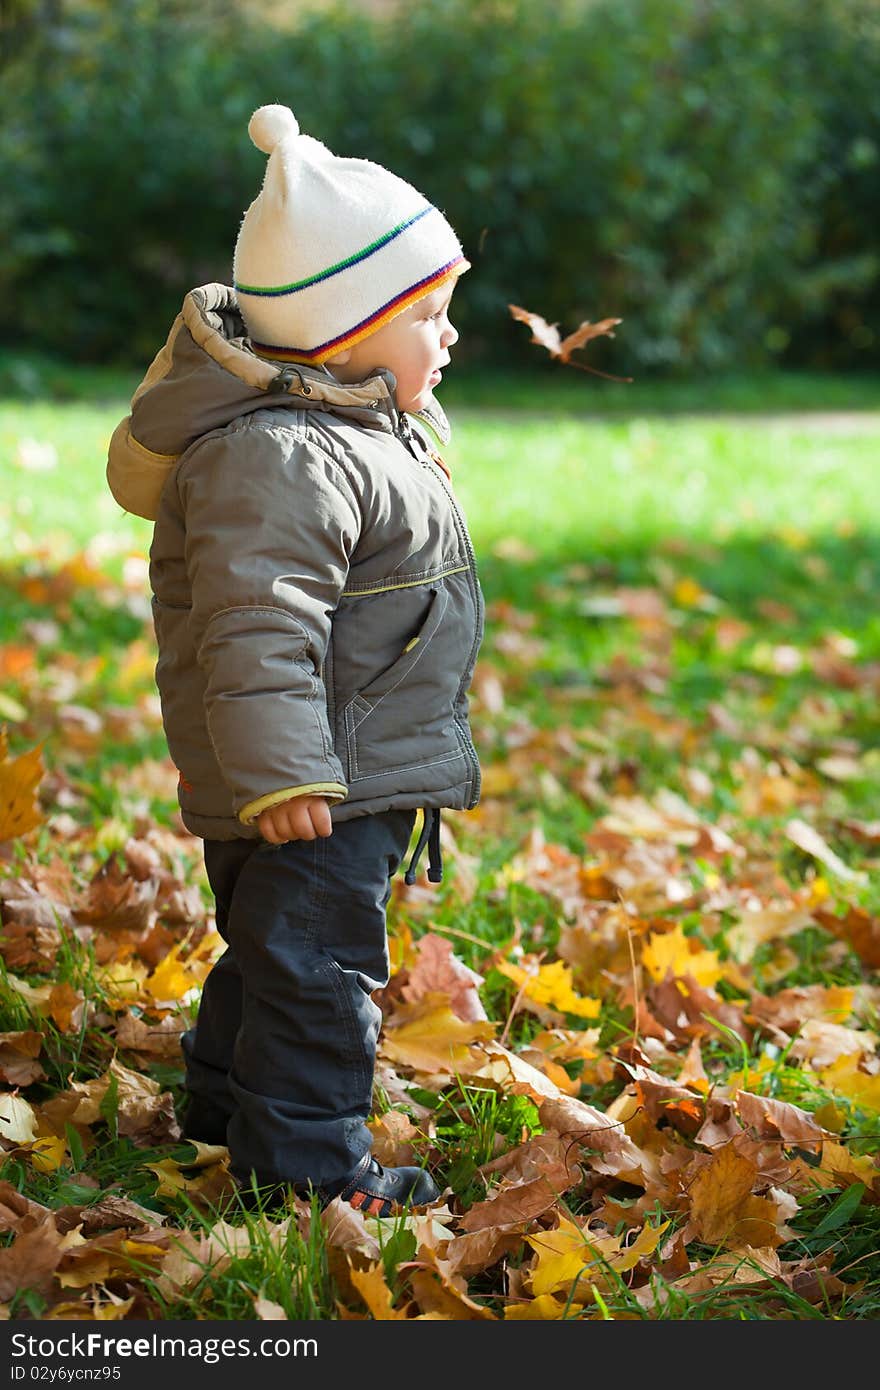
(634, 1035)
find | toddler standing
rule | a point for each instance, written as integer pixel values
(317, 615)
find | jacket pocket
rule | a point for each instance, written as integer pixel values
(404, 717)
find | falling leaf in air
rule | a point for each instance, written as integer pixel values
(547, 335)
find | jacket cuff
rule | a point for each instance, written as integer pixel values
(333, 791)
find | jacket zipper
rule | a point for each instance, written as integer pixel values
(404, 433)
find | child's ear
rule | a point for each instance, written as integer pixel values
(340, 359)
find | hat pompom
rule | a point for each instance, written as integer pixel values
(269, 125)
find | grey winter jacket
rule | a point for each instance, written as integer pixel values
(315, 600)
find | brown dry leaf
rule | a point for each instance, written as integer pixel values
(114, 901)
(772, 1117)
(664, 1099)
(373, 1289)
(441, 1294)
(156, 1040)
(18, 1054)
(438, 970)
(723, 1210)
(109, 1213)
(615, 1152)
(546, 335)
(17, 1212)
(758, 925)
(24, 902)
(534, 1176)
(30, 1261)
(19, 779)
(858, 929)
(689, 1011)
(192, 1253)
(784, 1013)
(820, 1043)
(476, 1251)
(393, 1134)
(66, 1007)
(693, 1073)
(150, 1122)
(26, 946)
(345, 1229)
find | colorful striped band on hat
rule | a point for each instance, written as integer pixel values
(368, 326)
(272, 292)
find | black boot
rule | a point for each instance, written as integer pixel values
(378, 1191)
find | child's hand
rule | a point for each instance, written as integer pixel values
(300, 818)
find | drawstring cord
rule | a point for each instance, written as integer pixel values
(430, 836)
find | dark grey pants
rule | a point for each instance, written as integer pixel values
(280, 1063)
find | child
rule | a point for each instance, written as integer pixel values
(318, 617)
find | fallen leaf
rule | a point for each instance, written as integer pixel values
(30, 1261)
(845, 1078)
(438, 970)
(428, 1037)
(550, 986)
(858, 929)
(723, 1210)
(17, 1120)
(19, 779)
(772, 1117)
(18, 1058)
(373, 1289)
(807, 838)
(673, 953)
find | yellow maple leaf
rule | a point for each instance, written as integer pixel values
(551, 985)
(122, 982)
(373, 1289)
(429, 1037)
(546, 1308)
(174, 977)
(569, 1255)
(674, 952)
(838, 1166)
(19, 779)
(844, 1078)
(48, 1153)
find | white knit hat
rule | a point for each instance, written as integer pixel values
(331, 249)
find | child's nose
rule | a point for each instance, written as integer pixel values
(450, 335)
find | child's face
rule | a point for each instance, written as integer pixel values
(414, 346)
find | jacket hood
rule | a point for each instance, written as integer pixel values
(206, 376)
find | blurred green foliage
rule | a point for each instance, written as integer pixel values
(708, 172)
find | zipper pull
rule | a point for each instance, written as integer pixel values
(404, 431)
